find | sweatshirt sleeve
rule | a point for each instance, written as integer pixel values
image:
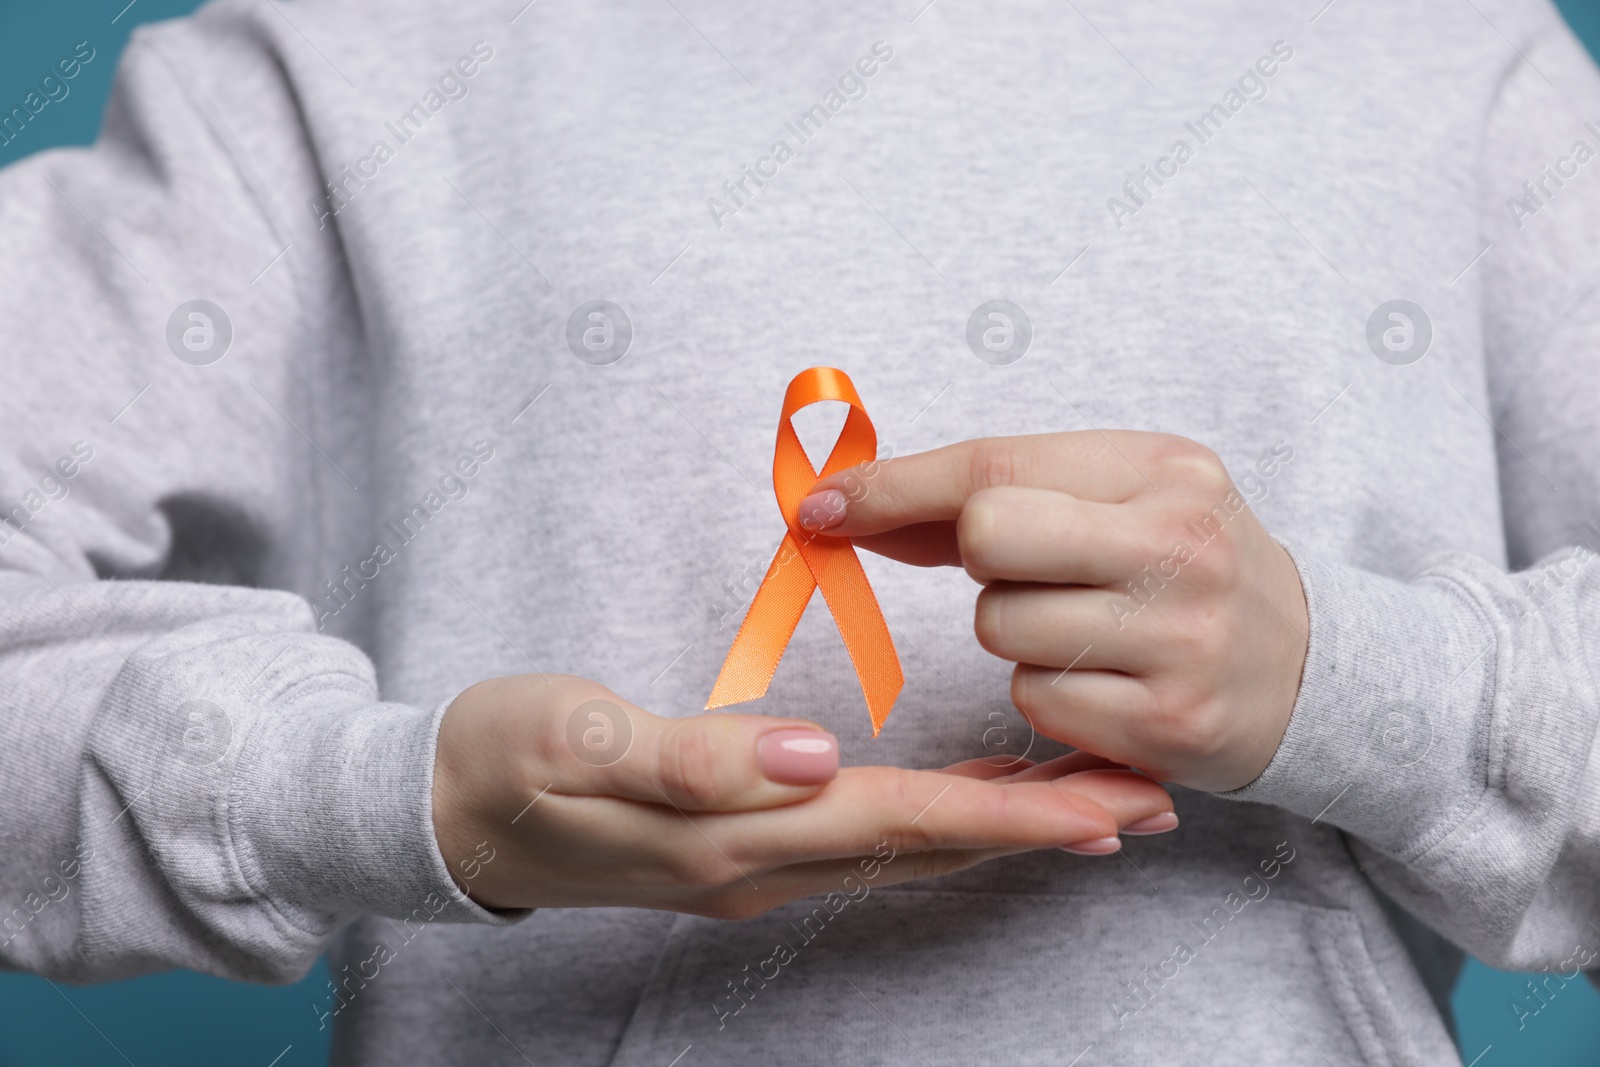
(191, 774)
(1448, 723)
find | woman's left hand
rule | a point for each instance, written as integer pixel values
(1152, 618)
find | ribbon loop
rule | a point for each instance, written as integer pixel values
(829, 564)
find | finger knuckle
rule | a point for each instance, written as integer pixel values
(1181, 461)
(558, 696)
(995, 461)
(988, 619)
(1217, 565)
(1160, 536)
(977, 534)
(904, 795)
(1185, 642)
(1030, 691)
(1182, 722)
(569, 691)
(1164, 523)
(689, 767)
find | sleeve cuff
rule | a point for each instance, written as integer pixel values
(259, 773)
(1385, 738)
(336, 814)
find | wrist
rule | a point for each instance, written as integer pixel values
(459, 831)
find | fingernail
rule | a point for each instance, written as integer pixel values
(1155, 824)
(1104, 846)
(822, 510)
(798, 756)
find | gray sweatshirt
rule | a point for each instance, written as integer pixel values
(311, 418)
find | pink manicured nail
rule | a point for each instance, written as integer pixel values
(1155, 824)
(822, 510)
(1104, 846)
(798, 756)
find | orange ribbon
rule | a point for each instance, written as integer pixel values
(830, 565)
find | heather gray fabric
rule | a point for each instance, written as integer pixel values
(238, 590)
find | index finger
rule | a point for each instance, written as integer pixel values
(933, 486)
(923, 810)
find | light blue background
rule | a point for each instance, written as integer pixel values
(183, 1018)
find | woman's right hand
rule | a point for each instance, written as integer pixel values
(551, 791)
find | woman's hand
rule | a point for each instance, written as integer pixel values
(551, 791)
(1152, 618)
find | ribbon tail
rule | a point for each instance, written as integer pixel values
(837, 571)
(768, 624)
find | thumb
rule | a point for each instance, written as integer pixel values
(720, 762)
